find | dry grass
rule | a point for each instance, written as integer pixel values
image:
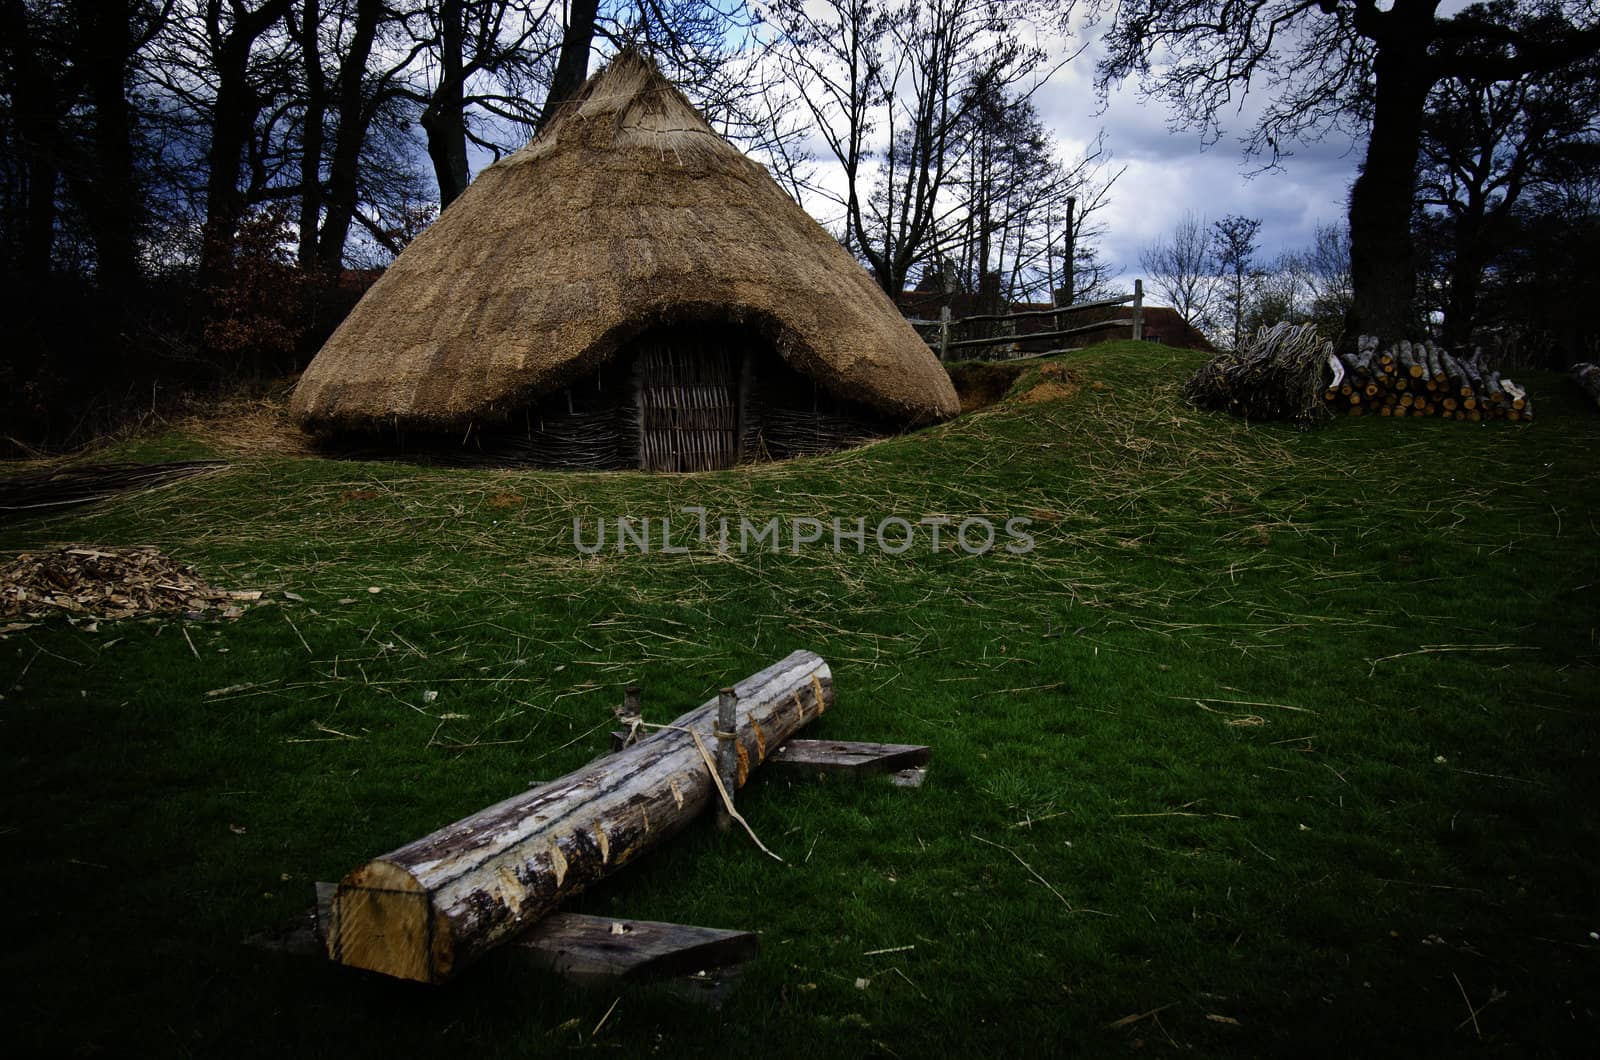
(254, 425)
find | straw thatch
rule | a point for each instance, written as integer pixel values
(627, 212)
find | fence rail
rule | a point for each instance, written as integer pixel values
(942, 345)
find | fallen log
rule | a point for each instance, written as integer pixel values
(587, 950)
(1406, 354)
(427, 910)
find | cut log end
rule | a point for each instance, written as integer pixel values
(382, 920)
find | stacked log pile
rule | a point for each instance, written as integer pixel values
(1421, 379)
(1285, 372)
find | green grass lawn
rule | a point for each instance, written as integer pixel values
(1283, 741)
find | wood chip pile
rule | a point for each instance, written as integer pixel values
(109, 583)
(1421, 379)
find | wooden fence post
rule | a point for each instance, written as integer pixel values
(631, 714)
(944, 332)
(727, 752)
(1138, 310)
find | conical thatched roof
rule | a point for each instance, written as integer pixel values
(627, 211)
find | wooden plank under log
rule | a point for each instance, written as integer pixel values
(580, 948)
(427, 910)
(602, 948)
(839, 756)
(804, 757)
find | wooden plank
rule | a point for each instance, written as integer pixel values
(583, 949)
(1040, 355)
(843, 756)
(301, 936)
(594, 948)
(836, 756)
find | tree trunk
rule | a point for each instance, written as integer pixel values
(573, 65)
(233, 120)
(355, 118)
(445, 119)
(230, 132)
(1069, 251)
(428, 909)
(110, 202)
(36, 109)
(1382, 266)
(36, 252)
(1466, 277)
(313, 135)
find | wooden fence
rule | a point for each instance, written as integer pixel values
(943, 344)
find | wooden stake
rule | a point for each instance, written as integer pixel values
(727, 759)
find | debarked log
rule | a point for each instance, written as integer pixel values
(427, 910)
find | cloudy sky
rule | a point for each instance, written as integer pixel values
(1172, 171)
(1168, 171)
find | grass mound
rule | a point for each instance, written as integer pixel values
(1272, 742)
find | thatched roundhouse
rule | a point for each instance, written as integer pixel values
(628, 290)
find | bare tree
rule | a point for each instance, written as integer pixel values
(1233, 247)
(712, 50)
(1327, 269)
(1486, 144)
(244, 78)
(889, 86)
(1010, 201)
(1179, 269)
(572, 61)
(350, 96)
(1356, 64)
(482, 58)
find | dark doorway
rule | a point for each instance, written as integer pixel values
(690, 396)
